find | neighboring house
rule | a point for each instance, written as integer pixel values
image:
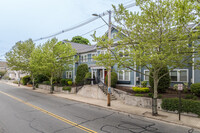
(3, 66)
(126, 77)
(14, 75)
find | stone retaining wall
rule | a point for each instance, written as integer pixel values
(129, 99)
(56, 88)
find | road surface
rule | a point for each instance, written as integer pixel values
(26, 111)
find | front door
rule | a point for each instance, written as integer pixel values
(101, 75)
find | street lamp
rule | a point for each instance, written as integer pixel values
(109, 48)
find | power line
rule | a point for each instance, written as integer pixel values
(93, 30)
(81, 24)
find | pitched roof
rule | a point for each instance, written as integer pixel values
(81, 48)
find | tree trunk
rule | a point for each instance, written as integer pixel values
(155, 95)
(33, 80)
(51, 89)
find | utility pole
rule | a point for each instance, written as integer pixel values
(109, 68)
(109, 48)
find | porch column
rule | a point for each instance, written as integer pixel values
(91, 76)
(103, 75)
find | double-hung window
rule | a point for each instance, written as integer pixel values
(84, 58)
(69, 74)
(124, 75)
(146, 77)
(179, 75)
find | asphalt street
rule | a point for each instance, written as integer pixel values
(26, 111)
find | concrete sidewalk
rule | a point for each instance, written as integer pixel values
(121, 107)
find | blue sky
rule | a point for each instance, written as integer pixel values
(24, 19)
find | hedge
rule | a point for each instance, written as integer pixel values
(188, 106)
(66, 88)
(26, 79)
(195, 88)
(140, 89)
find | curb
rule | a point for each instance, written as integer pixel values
(110, 108)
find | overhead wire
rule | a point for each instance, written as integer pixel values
(81, 24)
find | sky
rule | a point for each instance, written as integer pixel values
(24, 19)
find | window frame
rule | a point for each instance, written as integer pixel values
(123, 75)
(178, 74)
(145, 75)
(67, 74)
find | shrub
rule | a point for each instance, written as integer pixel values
(190, 96)
(15, 82)
(26, 79)
(36, 85)
(88, 75)
(175, 87)
(46, 82)
(66, 88)
(81, 72)
(63, 82)
(140, 89)
(144, 83)
(40, 78)
(2, 73)
(69, 83)
(139, 95)
(150, 95)
(164, 82)
(195, 88)
(113, 79)
(172, 104)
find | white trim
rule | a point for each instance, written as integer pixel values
(67, 75)
(125, 85)
(123, 73)
(135, 76)
(84, 59)
(178, 74)
(145, 75)
(193, 67)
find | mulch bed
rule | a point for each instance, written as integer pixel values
(170, 93)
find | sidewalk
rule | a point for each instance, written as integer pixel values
(121, 107)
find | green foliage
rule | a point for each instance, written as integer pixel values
(113, 79)
(40, 78)
(141, 89)
(36, 85)
(18, 57)
(81, 40)
(50, 59)
(15, 82)
(69, 83)
(88, 76)
(188, 106)
(63, 82)
(26, 79)
(81, 72)
(175, 87)
(46, 82)
(66, 88)
(144, 83)
(190, 96)
(164, 82)
(150, 95)
(195, 88)
(139, 95)
(2, 73)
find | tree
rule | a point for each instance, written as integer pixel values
(81, 40)
(153, 38)
(52, 58)
(164, 82)
(82, 70)
(19, 56)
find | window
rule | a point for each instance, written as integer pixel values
(174, 76)
(120, 75)
(113, 35)
(84, 58)
(179, 75)
(146, 78)
(92, 59)
(124, 75)
(69, 74)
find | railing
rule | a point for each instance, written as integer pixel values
(103, 87)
